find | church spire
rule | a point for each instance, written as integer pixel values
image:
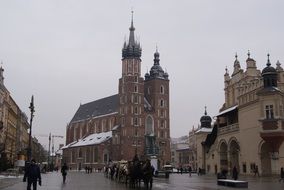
(131, 29)
(237, 66)
(1, 74)
(156, 57)
(131, 49)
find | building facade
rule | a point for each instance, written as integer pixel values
(249, 130)
(180, 152)
(13, 129)
(134, 121)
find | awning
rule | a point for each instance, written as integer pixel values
(227, 110)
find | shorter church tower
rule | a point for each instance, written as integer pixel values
(157, 95)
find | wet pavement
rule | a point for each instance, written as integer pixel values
(82, 181)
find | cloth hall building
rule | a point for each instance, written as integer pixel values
(134, 121)
(248, 132)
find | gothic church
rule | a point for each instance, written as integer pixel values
(134, 121)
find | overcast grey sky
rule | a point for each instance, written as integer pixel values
(67, 52)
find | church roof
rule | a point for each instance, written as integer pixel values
(96, 138)
(101, 107)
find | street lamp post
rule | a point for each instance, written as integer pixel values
(49, 139)
(32, 108)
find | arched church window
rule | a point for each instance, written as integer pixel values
(136, 121)
(162, 89)
(149, 125)
(135, 110)
(135, 78)
(162, 103)
(135, 88)
(80, 153)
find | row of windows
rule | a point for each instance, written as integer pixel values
(89, 155)
(162, 90)
(134, 79)
(134, 121)
(136, 99)
(162, 113)
(131, 66)
(134, 110)
(269, 111)
(247, 98)
(162, 134)
(246, 87)
(138, 122)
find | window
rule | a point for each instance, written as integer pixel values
(162, 90)
(161, 113)
(162, 134)
(136, 121)
(135, 78)
(96, 153)
(135, 88)
(135, 99)
(162, 124)
(162, 103)
(135, 110)
(149, 90)
(269, 112)
(149, 125)
(80, 153)
(104, 126)
(136, 133)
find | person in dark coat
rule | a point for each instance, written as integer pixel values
(235, 173)
(189, 171)
(32, 172)
(281, 175)
(64, 169)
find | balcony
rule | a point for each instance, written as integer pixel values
(272, 125)
(272, 132)
(228, 129)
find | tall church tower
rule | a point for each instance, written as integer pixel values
(131, 99)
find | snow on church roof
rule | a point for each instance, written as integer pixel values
(96, 138)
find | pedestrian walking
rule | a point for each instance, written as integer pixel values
(235, 173)
(256, 171)
(64, 169)
(32, 173)
(189, 171)
(281, 175)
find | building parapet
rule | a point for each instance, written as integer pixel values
(228, 129)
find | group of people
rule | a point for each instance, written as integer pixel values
(33, 174)
(88, 169)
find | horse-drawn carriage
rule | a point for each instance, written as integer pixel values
(131, 172)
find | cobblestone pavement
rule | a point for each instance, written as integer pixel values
(83, 181)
